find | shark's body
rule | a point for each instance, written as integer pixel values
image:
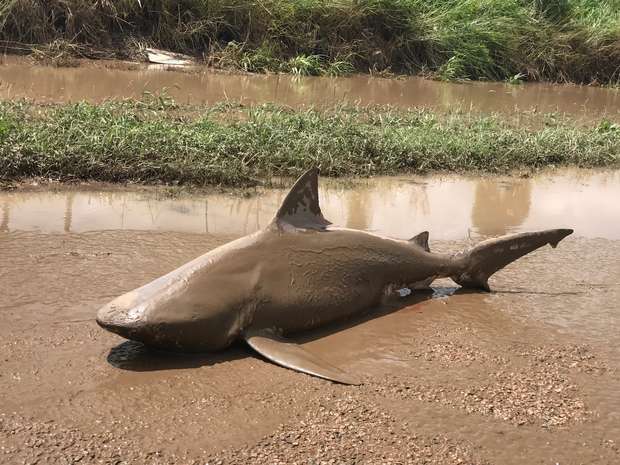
(294, 275)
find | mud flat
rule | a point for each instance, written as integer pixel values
(527, 374)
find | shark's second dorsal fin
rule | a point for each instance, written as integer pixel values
(421, 240)
(300, 208)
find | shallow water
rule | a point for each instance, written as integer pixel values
(98, 81)
(451, 207)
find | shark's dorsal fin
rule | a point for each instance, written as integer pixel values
(301, 206)
(290, 355)
(421, 240)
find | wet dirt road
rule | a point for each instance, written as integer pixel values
(527, 374)
(101, 80)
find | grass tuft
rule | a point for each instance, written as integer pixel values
(555, 40)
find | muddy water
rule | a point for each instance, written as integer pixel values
(98, 81)
(527, 374)
(450, 207)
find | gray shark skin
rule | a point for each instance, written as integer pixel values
(295, 275)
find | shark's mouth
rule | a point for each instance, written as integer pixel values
(126, 331)
(157, 336)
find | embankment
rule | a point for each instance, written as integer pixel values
(553, 40)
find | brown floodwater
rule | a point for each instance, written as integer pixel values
(451, 207)
(526, 374)
(98, 81)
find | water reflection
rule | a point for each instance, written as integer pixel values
(358, 213)
(68, 211)
(450, 207)
(500, 207)
(4, 225)
(19, 78)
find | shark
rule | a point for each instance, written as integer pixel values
(297, 274)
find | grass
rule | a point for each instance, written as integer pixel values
(156, 141)
(555, 40)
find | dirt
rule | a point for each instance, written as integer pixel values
(526, 374)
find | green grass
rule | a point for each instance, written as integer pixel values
(156, 141)
(556, 40)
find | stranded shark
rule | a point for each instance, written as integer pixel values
(296, 274)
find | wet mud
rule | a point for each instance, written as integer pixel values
(526, 374)
(98, 81)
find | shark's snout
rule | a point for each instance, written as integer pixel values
(124, 331)
(123, 317)
(143, 320)
(169, 314)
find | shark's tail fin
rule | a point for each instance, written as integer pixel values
(480, 262)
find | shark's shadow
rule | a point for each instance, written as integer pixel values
(135, 356)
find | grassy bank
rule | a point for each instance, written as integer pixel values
(557, 40)
(156, 142)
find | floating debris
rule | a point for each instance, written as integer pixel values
(164, 57)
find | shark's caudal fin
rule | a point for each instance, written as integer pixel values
(478, 264)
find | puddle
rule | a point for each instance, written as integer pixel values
(95, 82)
(450, 207)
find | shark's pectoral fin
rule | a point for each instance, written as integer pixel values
(293, 356)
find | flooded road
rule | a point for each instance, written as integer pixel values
(99, 81)
(526, 374)
(452, 207)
